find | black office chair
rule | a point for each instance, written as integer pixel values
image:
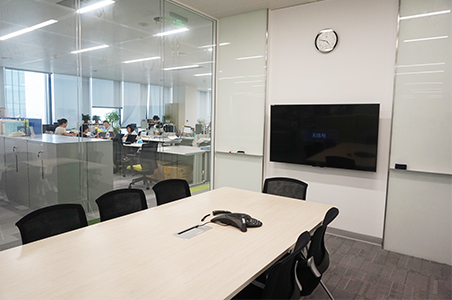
(171, 190)
(311, 268)
(287, 187)
(147, 164)
(118, 154)
(121, 202)
(281, 282)
(51, 220)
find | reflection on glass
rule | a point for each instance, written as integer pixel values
(94, 64)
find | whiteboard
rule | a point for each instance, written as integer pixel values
(241, 83)
(422, 118)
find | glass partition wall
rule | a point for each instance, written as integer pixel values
(144, 63)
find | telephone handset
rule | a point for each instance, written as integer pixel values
(239, 220)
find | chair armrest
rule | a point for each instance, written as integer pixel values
(312, 267)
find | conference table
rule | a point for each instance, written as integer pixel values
(138, 256)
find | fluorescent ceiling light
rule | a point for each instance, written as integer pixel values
(424, 72)
(204, 74)
(425, 15)
(206, 46)
(172, 31)
(427, 39)
(235, 77)
(250, 81)
(421, 65)
(416, 83)
(181, 68)
(141, 59)
(249, 57)
(94, 6)
(204, 62)
(28, 29)
(210, 46)
(89, 49)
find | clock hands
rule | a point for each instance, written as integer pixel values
(325, 41)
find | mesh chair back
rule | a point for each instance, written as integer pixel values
(118, 149)
(120, 202)
(280, 282)
(171, 190)
(287, 187)
(317, 248)
(148, 157)
(52, 220)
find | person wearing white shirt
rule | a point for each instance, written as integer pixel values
(61, 129)
(108, 127)
(130, 130)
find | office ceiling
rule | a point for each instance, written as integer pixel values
(128, 28)
(226, 8)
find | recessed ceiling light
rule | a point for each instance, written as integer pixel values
(141, 59)
(427, 39)
(89, 49)
(172, 32)
(181, 68)
(204, 74)
(425, 15)
(249, 57)
(422, 72)
(28, 29)
(421, 65)
(94, 6)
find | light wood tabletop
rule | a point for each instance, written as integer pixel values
(138, 257)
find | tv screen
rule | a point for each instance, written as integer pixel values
(325, 135)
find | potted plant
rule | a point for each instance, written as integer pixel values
(86, 118)
(167, 119)
(113, 118)
(96, 119)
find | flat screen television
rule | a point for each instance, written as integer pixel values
(325, 135)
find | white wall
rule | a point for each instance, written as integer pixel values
(359, 70)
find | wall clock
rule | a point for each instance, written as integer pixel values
(326, 40)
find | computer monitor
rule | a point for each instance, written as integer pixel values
(48, 127)
(131, 138)
(198, 128)
(169, 128)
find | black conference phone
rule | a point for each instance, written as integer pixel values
(239, 220)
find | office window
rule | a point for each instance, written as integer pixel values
(134, 103)
(65, 99)
(26, 94)
(204, 106)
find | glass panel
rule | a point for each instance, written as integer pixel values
(188, 42)
(108, 63)
(40, 169)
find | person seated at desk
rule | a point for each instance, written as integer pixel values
(108, 127)
(130, 131)
(83, 132)
(61, 129)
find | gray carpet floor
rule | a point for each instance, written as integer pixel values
(360, 270)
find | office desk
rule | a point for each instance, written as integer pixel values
(200, 158)
(161, 139)
(137, 257)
